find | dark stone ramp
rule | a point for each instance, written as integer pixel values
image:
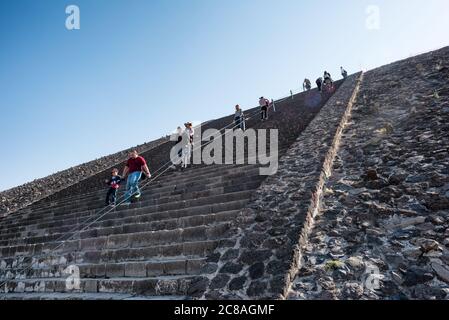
(263, 261)
(386, 206)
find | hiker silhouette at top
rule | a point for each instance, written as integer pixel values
(319, 83)
(133, 169)
(306, 85)
(344, 73)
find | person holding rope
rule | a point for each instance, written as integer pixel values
(114, 184)
(188, 143)
(264, 104)
(239, 118)
(133, 169)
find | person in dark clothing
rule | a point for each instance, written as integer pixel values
(344, 73)
(179, 133)
(319, 83)
(264, 104)
(306, 85)
(327, 78)
(114, 184)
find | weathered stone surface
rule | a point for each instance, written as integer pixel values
(256, 288)
(257, 270)
(237, 283)
(231, 267)
(357, 210)
(281, 206)
(388, 184)
(198, 286)
(441, 271)
(220, 281)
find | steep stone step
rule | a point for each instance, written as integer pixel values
(159, 286)
(181, 176)
(168, 252)
(104, 229)
(74, 296)
(129, 269)
(148, 218)
(177, 178)
(123, 240)
(228, 180)
(47, 221)
(152, 203)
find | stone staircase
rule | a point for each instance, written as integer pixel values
(63, 247)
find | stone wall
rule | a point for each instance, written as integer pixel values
(19, 197)
(383, 231)
(268, 231)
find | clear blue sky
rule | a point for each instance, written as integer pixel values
(136, 69)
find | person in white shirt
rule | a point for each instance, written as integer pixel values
(239, 118)
(187, 148)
